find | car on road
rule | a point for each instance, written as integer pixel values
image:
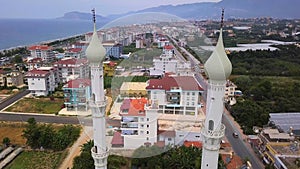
(235, 135)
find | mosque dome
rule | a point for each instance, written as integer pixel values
(95, 52)
(218, 66)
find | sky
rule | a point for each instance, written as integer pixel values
(57, 8)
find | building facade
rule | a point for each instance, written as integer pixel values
(175, 95)
(42, 51)
(138, 124)
(41, 82)
(77, 92)
(71, 68)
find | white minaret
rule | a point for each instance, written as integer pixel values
(95, 54)
(218, 69)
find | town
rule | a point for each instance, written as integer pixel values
(156, 87)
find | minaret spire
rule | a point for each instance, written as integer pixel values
(95, 54)
(218, 68)
(94, 15)
(222, 18)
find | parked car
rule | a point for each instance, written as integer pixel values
(235, 135)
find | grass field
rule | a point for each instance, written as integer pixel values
(37, 105)
(36, 160)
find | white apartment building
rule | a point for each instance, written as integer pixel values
(71, 68)
(41, 81)
(178, 95)
(138, 123)
(42, 51)
(167, 63)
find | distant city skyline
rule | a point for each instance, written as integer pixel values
(57, 8)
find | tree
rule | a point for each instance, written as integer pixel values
(6, 141)
(84, 160)
(31, 133)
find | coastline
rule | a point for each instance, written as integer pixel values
(20, 33)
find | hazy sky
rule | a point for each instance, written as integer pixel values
(56, 8)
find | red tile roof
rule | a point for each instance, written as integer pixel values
(197, 144)
(167, 133)
(77, 83)
(135, 107)
(168, 47)
(74, 50)
(166, 83)
(37, 73)
(232, 161)
(110, 63)
(71, 61)
(35, 60)
(117, 139)
(40, 47)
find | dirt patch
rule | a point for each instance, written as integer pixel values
(13, 131)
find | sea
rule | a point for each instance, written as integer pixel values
(25, 32)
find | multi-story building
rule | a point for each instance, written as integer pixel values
(42, 51)
(2, 78)
(41, 82)
(71, 68)
(109, 68)
(76, 93)
(74, 53)
(113, 49)
(34, 63)
(138, 123)
(178, 95)
(9, 79)
(167, 63)
(14, 78)
(230, 92)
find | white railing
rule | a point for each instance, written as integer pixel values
(214, 133)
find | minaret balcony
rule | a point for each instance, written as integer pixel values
(97, 103)
(219, 133)
(100, 157)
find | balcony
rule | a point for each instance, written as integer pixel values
(214, 133)
(97, 103)
(129, 125)
(130, 132)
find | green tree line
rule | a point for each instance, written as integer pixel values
(47, 137)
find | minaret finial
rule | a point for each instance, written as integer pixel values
(94, 15)
(222, 19)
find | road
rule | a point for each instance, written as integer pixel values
(239, 146)
(8, 101)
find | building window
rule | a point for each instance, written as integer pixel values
(147, 125)
(142, 125)
(147, 132)
(169, 139)
(147, 138)
(147, 119)
(142, 119)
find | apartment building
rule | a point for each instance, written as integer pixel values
(77, 92)
(42, 51)
(71, 68)
(178, 95)
(41, 82)
(138, 123)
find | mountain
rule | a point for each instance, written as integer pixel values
(81, 16)
(233, 9)
(284, 9)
